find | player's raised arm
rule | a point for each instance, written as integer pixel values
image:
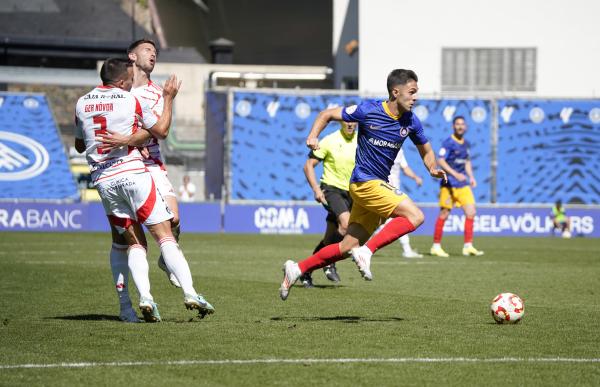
(428, 157)
(161, 128)
(324, 118)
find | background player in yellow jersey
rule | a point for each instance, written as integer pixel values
(455, 159)
(560, 220)
(337, 152)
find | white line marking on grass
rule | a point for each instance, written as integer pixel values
(306, 361)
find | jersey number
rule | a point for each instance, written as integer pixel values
(100, 120)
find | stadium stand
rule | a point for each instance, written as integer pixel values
(33, 163)
(523, 150)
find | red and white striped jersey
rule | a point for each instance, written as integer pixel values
(151, 97)
(116, 110)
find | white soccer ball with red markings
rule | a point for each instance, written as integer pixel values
(507, 308)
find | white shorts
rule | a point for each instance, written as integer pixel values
(161, 179)
(133, 198)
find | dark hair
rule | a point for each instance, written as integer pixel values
(114, 69)
(400, 77)
(458, 118)
(134, 45)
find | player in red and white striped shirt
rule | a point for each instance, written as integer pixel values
(127, 189)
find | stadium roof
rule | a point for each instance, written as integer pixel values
(65, 33)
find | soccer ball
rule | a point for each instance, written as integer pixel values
(507, 308)
(566, 234)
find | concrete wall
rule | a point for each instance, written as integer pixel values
(345, 29)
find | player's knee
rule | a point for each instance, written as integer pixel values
(417, 218)
(444, 212)
(343, 229)
(470, 212)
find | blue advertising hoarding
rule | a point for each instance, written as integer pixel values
(490, 221)
(287, 219)
(47, 217)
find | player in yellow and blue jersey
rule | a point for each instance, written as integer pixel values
(383, 126)
(454, 157)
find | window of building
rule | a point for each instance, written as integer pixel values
(489, 69)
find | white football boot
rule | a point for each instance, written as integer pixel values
(291, 273)
(362, 257)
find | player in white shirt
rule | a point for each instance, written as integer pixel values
(143, 53)
(401, 165)
(128, 192)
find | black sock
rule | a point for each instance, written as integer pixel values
(319, 246)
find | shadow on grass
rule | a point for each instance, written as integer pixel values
(105, 317)
(87, 317)
(317, 286)
(344, 319)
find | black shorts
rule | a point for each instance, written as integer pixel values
(338, 200)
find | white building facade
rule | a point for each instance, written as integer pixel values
(532, 48)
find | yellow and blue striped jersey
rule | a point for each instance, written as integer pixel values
(380, 137)
(456, 154)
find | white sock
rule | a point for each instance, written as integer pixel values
(467, 245)
(138, 265)
(120, 272)
(436, 246)
(405, 242)
(177, 264)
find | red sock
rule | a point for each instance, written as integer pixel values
(468, 230)
(439, 230)
(393, 230)
(326, 256)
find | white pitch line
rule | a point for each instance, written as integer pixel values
(305, 361)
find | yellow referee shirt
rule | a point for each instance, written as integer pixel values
(337, 151)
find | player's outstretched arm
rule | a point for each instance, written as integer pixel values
(324, 117)
(309, 173)
(171, 87)
(428, 157)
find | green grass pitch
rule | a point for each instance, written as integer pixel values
(432, 316)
